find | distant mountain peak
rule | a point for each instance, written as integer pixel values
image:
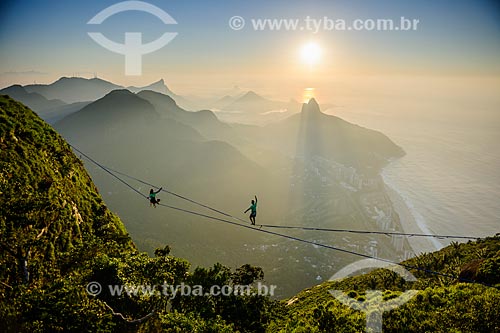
(311, 107)
(78, 79)
(148, 94)
(158, 86)
(160, 82)
(252, 93)
(64, 78)
(117, 92)
(13, 88)
(251, 96)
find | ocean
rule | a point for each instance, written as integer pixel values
(449, 178)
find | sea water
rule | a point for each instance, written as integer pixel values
(450, 175)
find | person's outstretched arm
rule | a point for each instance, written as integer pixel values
(255, 199)
(161, 188)
(247, 210)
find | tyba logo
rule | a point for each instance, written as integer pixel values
(133, 49)
(373, 305)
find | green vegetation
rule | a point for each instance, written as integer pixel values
(57, 235)
(53, 225)
(442, 304)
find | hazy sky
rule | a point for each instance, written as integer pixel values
(43, 40)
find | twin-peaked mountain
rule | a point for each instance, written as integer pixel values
(314, 133)
(332, 137)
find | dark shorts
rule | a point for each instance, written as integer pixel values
(253, 214)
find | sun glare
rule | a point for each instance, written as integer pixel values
(310, 53)
(307, 95)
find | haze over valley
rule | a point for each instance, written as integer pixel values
(140, 140)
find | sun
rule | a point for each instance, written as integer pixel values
(310, 53)
(307, 95)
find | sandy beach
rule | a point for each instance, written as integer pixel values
(410, 225)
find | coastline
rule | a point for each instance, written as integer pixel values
(409, 224)
(408, 220)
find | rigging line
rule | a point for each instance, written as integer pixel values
(112, 174)
(364, 231)
(288, 236)
(292, 227)
(322, 245)
(176, 195)
(319, 244)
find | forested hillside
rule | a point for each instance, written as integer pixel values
(57, 237)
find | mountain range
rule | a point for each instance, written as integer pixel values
(58, 99)
(194, 153)
(252, 108)
(33, 100)
(61, 249)
(74, 89)
(68, 90)
(148, 135)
